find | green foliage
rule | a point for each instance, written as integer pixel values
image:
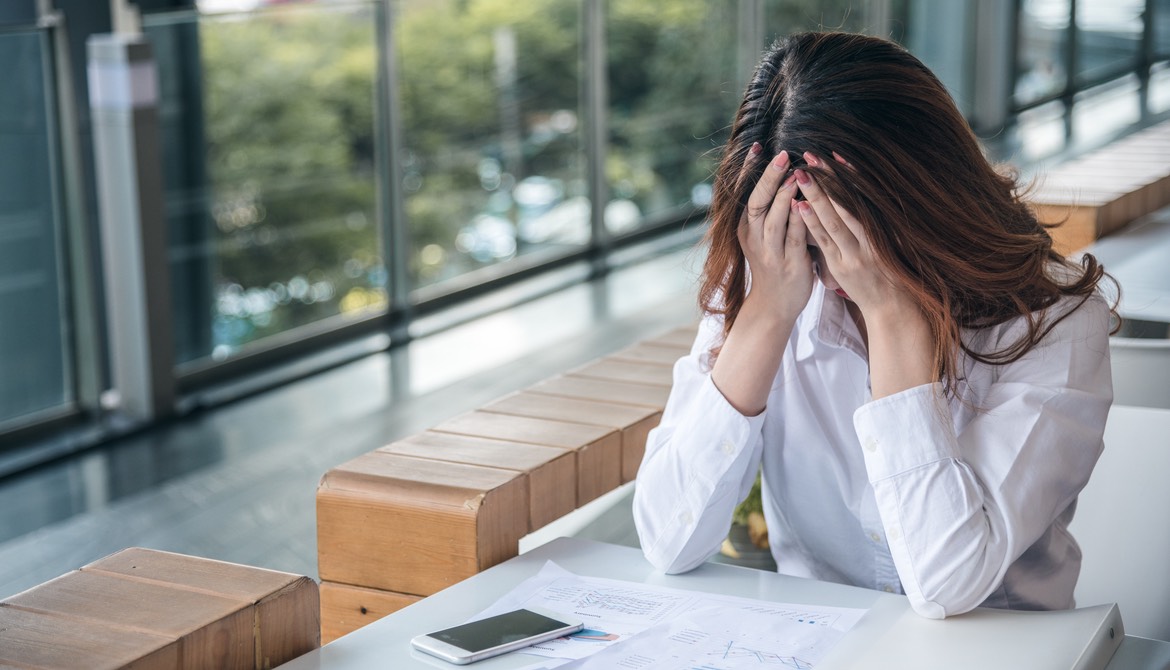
(753, 503)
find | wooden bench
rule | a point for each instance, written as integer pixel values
(418, 515)
(1101, 191)
(145, 609)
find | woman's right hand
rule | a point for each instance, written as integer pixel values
(773, 237)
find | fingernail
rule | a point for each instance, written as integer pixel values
(811, 159)
(788, 182)
(756, 148)
(781, 160)
(802, 177)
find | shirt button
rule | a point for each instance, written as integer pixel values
(894, 534)
(870, 444)
(686, 518)
(875, 537)
(888, 589)
(727, 447)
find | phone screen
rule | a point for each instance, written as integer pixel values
(494, 631)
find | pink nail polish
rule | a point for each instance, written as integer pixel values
(811, 159)
(802, 177)
(781, 160)
(757, 148)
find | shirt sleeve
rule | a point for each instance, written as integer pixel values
(700, 462)
(960, 505)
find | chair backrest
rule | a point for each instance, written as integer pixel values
(1141, 371)
(1123, 522)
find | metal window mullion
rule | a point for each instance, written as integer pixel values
(82, 336)
(1070, 59)
(596, 94)
(1146, 58)
(391, 213)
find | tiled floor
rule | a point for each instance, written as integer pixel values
(237, 483)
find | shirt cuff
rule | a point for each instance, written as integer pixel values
(905, 431)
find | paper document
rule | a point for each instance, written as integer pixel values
(675, 628)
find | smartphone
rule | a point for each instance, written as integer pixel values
(496, 635)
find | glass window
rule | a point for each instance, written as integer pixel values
(33, 371)
(1101, 113)
(493, 164)
(268, 146)
(1041, 50)
(1161, 25)
(1109, 35)
(672, 96)
(787, 16)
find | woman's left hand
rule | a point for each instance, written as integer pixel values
(846, 249)
(901, 348)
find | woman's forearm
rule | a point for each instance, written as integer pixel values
(750, 357)
(901, 351)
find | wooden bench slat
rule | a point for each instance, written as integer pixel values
(598, 449)
(633, 421)
(589, 388)
(34, 639)
(551, 471)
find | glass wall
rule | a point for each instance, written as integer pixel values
(268, 145)
(1109, 38)
(313, 151)
(1064, 48)
(672, 94)
(34, 374)
(1041, 49)
(491, 123)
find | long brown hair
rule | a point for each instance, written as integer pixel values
(942, 220)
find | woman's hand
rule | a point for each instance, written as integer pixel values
(900, 344)
(774, 242)
(772, 237)
(847, 250)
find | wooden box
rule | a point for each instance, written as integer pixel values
(189, 612)
(346, 608)
(33, 639)
(633, 421)
(416, 526)
(590, 388)
(627, 371)
(598, 449)
(551, 471)
(285, 607)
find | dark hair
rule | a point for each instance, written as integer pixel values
(942, 220)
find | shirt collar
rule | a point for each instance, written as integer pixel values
(831, 323)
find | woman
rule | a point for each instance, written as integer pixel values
(889, 331)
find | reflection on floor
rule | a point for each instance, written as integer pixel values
(237, 483)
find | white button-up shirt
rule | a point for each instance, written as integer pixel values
(956, 502)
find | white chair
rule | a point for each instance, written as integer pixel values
(1123, 522)
(1141, 371)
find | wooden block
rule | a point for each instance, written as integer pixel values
(646, 395)
(34, 639)
(212, 631)
(286, 606)
(551, 471)
(633, 421)
(415, 525)
(683, 336)
(625, 371)
(598, 449)
(346, 608)
(650, 352)
(1077, 229)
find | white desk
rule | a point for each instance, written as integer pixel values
(890, 627)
